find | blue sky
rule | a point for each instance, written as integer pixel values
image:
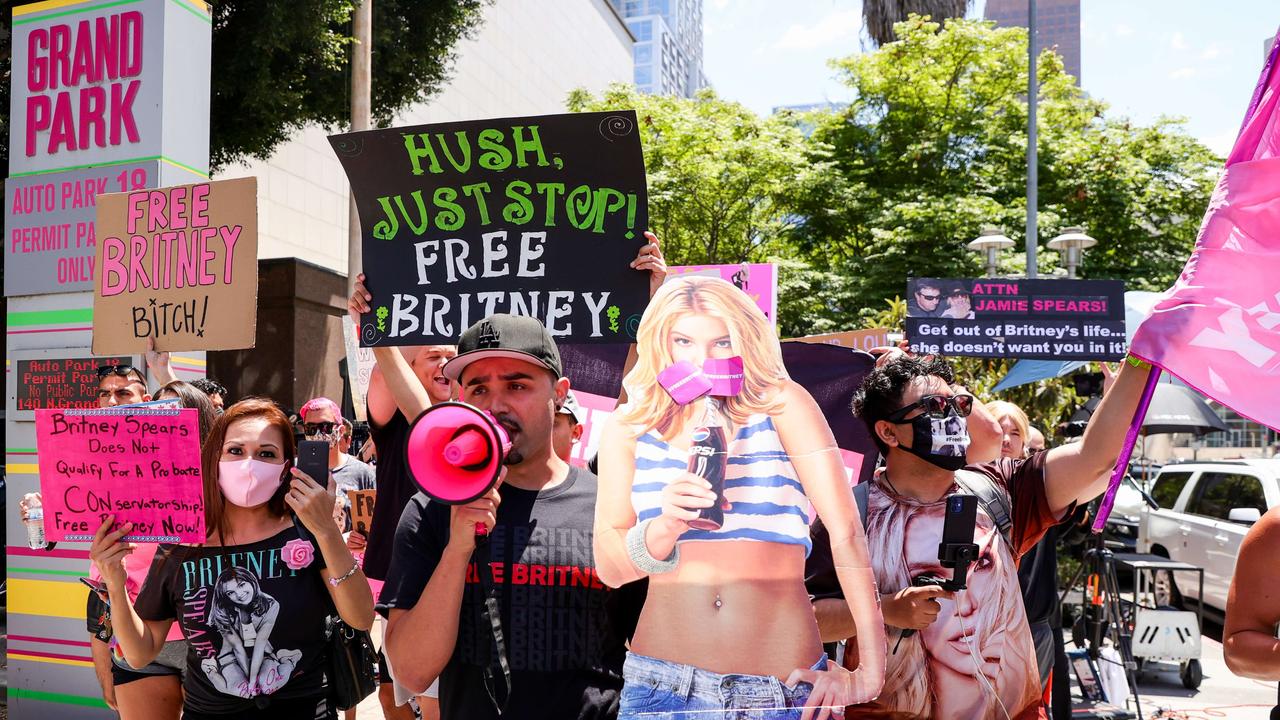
(1198, 59)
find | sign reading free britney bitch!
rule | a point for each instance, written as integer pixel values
(179, 264)
(141, 465)
(537, 216)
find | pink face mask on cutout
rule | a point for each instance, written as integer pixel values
(248, 483)
(687, 382)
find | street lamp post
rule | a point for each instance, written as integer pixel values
(1074, 242)
(991, 242)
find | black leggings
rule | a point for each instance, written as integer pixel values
(294, 709)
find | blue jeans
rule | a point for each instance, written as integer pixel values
(655, 689)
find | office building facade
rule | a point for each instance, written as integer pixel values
(668, 49)
(1057, 26)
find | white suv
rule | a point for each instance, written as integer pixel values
(1205, 510)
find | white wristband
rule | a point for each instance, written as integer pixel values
(638, 550)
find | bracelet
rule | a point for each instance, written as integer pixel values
(1137, 362)
(638, 551)
(336, 581)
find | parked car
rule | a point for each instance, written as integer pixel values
(1205, 510)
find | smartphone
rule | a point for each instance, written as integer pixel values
(313, 459)
(958, 525)
(97, 586)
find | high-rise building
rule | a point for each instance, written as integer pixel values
(1057, 26)
(668, 49)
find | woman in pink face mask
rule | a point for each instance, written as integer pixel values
(253, 601)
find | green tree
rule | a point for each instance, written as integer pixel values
(279, 65)
(718, 173)
(933, 148)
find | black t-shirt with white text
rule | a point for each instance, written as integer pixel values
(564, 629)
(255, 627)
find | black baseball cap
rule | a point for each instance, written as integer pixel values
(511, 336)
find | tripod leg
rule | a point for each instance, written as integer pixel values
(1124, 638)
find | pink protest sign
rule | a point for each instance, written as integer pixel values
(759, 280)
(140, 464)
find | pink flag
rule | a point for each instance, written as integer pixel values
(1218, 327)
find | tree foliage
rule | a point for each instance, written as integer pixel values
(280, 65)
(933, 148)
(718, 173)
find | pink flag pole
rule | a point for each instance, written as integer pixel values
(1126, 451)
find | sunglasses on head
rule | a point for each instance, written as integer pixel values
(320, 427)
(122, 370)
(936, 406)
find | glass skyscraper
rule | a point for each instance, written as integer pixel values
(668, 49)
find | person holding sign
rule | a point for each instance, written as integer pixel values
(707, 474)
(253, 601)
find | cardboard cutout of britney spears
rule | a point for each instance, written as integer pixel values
(709, 476)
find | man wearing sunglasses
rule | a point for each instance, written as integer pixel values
(322, 420)
(971, 653)
(925, 300)
(121, 385)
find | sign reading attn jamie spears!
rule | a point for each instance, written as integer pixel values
(536, 216)
(1017, 318)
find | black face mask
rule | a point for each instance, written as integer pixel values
(943, 442)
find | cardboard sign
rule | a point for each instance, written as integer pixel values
(759, 280)
(1017, 318)
(360, 364)
(137, 463)
(853, 339)
(60, 382)
(536, 216)
(362, 502)
(180, 264)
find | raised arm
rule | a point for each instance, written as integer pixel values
(140, 640)
(159, 364)
(313, 505)
(813, 452)
(1079, 472)
(392, 384)
(1253, 605)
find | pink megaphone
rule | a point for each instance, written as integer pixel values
(455, 452)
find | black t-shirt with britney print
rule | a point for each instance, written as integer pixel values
(256, 627)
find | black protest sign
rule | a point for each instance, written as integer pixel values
(537, 216)
(1017, 318)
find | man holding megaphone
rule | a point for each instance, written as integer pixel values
(551, 650)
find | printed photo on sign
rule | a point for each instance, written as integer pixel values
(757, 280)
(537, 216)
(178, 264)
(1054, 319)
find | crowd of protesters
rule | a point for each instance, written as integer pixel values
(589, 598)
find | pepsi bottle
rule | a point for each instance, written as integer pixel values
(708, 458)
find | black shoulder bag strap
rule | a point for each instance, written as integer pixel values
(498, 649)
(994, 499)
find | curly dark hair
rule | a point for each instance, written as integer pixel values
(881, 392)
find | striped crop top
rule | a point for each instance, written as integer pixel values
(767, 501)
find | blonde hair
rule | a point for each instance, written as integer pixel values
(750, 335)
(1001, 409)
(909, 678)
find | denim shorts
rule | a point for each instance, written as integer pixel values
(655, 689)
